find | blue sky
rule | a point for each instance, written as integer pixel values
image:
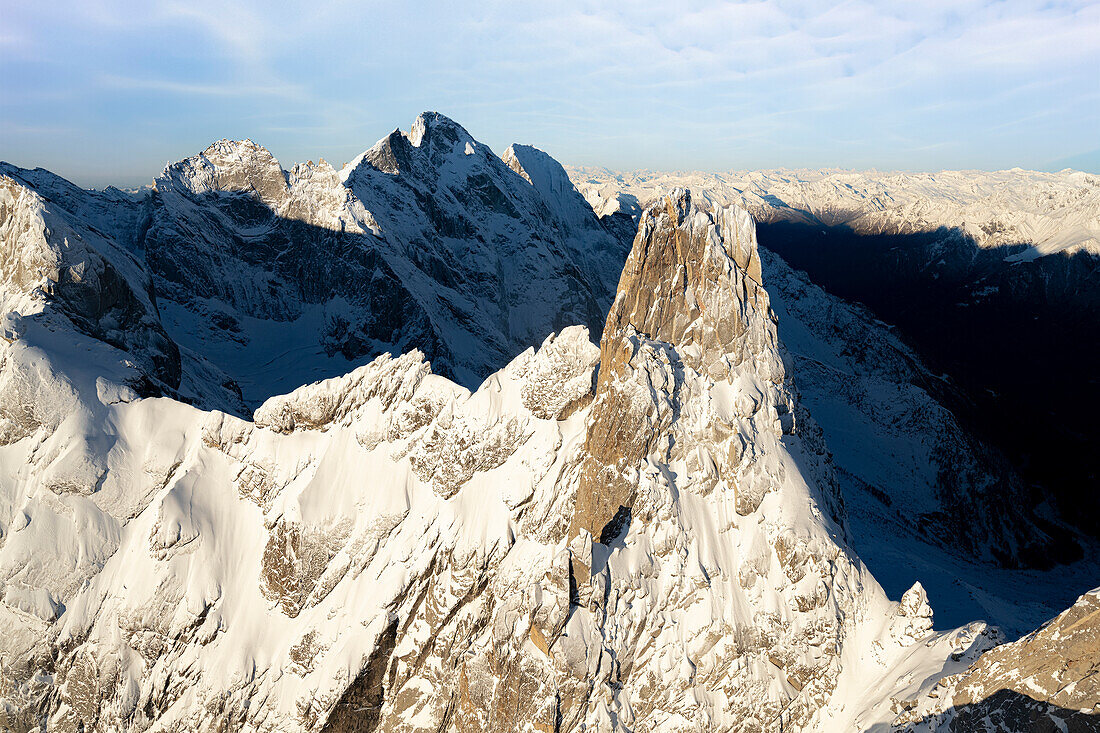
(107, 92)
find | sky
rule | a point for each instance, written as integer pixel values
(108, 92)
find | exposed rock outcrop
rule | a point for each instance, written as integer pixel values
(955, 453)
(691, 282)
(1048, 680)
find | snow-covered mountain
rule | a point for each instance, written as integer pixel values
(387, 549)
(1048, 212)
(926, 497)
(651, 534)
(268, 279)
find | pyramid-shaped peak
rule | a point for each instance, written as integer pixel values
(433, 126)
(433, 136)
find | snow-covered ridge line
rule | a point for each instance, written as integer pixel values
(1051, 212)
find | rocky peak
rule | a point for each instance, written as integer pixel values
(390, 155)
(692, 433)
(322, 170)
(552, 184)
(231, 166)
(689, 296)
(433, 137)
(434, 129)
(318, 196)
(693, 279)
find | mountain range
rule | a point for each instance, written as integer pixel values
(442, 441)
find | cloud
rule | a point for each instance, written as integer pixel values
(165, 86)
(713, 83)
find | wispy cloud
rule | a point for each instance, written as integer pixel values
(231, 89)
(705, 84)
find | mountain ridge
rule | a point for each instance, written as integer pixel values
(246, 531)
(229, 235)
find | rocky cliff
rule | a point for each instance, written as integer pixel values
(1048, 680)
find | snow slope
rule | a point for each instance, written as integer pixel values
(925, 498)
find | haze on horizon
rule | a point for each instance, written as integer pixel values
(106, 93)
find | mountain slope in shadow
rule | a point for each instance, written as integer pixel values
(1018, 340)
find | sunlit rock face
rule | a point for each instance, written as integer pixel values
(967, 271)
(691, 284)
(685, 441)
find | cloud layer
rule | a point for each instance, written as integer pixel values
(106, 92)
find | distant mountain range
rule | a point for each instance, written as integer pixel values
(1048, 212)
